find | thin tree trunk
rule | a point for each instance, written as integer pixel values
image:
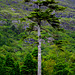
(39, 51)
(39, 45)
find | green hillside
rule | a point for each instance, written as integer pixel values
(18, 9)
(68, 14)
(18, 46)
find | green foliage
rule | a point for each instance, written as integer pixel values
(16, 41)
(47, 67)
(35, 52)
(72, 69)
(48, 14)
(17, 69)
(2, 40)
(29, 66)
(9, 61)
(60, 69)
(31, 27)
(73, 58)
(9, 67)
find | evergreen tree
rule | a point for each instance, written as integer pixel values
(29, 67)
(38, 15)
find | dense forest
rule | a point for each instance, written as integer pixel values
(19, 40)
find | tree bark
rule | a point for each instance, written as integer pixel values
(39, 45)
(39, 51)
